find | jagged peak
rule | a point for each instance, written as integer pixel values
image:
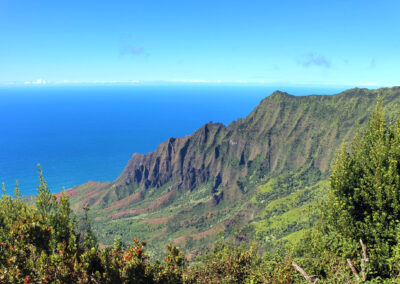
(280, 94)
(275, 96)
(209, 125)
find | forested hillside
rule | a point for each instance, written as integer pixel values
(256, 177)
(354, 237)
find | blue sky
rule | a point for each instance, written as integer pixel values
(354, 43)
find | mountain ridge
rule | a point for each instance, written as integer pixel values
(222, 174)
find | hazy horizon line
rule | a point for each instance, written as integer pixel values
(42, 82)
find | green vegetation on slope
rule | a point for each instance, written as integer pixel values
(257, 177)
(355, 238)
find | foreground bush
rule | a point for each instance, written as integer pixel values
(42, 244)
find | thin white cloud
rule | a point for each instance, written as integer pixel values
(37, 82)
(375, 84)
(66, 82)
(189, 81)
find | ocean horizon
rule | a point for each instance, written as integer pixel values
(88, 133)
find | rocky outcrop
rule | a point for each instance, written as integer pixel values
(284, 132)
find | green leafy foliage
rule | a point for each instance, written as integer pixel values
(365, 197)
(229, 262)
(44, 200)
(363, 203)
(42, 244)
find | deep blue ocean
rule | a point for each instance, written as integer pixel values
(82, 133)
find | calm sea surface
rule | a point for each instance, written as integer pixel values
(82, 133)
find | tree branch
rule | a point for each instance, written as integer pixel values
(301, 270)
(364, 261)
(353, 269)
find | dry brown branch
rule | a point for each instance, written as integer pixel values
(353, 269)
(364, 250)
(364, 261)
(301, 270)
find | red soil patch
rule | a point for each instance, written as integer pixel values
(160, 201)
(152, 206)
(92, 189)
(128, 212)
(197, 236)
(93, 192)
(124, 202)
(92, 183)
(70, 192)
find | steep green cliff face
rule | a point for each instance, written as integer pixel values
(257, 176)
